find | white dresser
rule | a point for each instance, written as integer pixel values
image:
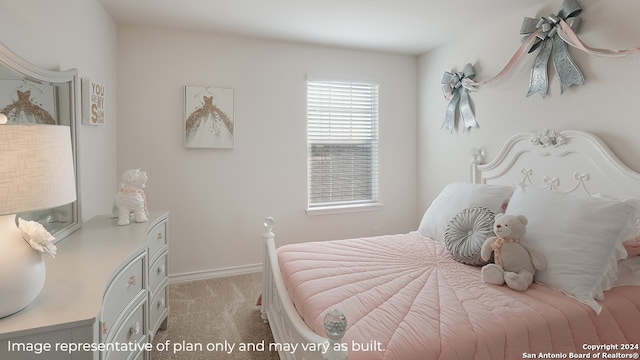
(104, 298)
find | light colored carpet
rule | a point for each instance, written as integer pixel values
(209, 317)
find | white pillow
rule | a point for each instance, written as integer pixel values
(580, 236)
(628, 272)
(632, 245)
(456, 197)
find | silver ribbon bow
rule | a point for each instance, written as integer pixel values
(551, 43)
(455, 90)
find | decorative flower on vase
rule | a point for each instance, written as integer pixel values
(37, 236)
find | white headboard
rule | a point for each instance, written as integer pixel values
(565, 161)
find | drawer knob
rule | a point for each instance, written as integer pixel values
(161, 269)
(161, 303)
(159, 236)
(132, 281)
(104, 328)
(135, 328)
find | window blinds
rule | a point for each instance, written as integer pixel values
(342, 143)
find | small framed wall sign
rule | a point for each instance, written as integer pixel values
(92, 102)
(208, 117)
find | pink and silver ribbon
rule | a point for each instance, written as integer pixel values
(554, 46)
(570, 37)
(455, 87)
(551, 35)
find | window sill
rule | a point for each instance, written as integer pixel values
(328, 210)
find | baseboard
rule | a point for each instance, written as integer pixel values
(210, 274)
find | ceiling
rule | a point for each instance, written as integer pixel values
(398, 26)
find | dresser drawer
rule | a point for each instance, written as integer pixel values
(130, 330)
(158, 272)
(122, 290)
(158, 310)
(157, 238)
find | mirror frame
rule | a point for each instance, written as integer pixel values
(31, 72)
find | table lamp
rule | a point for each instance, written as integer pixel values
(36, 172)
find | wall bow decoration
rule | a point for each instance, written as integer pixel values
(455, 87)
(553, 45)
(552, 34)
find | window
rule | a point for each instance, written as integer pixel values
(342, 144)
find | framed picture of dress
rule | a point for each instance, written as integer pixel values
(27, 102)
(208, 117)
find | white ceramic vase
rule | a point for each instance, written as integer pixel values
(22, 269)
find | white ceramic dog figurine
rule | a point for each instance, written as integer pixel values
(130, 198)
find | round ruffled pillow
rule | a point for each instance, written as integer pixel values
(466, 233)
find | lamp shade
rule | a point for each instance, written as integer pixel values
(36, 167)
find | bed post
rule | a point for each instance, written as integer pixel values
(279, 312)
(476, 158)
(335, 325)
(267, 285)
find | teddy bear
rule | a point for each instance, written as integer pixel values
(130, 198)
(515, 260)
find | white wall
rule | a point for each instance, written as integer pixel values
(219, 198)
(59, 35)
(606, 105)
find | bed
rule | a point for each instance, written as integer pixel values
(420, 295)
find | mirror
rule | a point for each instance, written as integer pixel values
(31, 95)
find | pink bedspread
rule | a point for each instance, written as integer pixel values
(404, 295)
